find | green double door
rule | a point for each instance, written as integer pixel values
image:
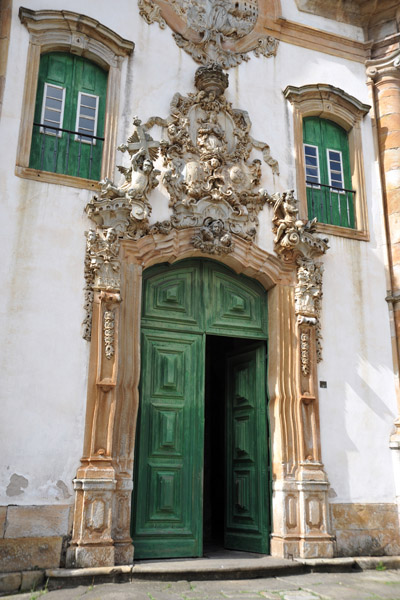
(201, 460)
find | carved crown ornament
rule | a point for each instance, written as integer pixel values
(222, 31)
(213, 187)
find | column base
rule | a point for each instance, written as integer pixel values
(123, 553)
(80, 557)
(296, 547)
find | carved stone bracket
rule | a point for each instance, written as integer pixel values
(220, 31)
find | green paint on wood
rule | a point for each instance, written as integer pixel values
(181, 304)
(247, 485)
(65, 154)
(327, 205)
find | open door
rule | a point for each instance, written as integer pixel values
(247, 494)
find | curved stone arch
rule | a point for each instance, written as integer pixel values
(329, 102)
(105, 474)
(66, 31)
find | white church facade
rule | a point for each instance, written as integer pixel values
(201, 270)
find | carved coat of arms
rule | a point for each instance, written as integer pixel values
(221, 31)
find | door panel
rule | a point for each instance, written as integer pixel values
(171, 299)
(168, 478)
(247, 495)
(236, 305)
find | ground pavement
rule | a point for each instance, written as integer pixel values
(363, 585)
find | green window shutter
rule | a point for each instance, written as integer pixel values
(66, 152)
(324, 202)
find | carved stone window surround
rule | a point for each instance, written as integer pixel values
(66, 31)
(328, 102)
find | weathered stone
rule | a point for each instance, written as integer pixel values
(372, 542)
(394, 223)
(389, 139)
(31, 580)
(390, 122)
(391, 159)
(393, 199)
(9, 582)
(37, 521)
(28, 553)
(3, 515)
(364, 516)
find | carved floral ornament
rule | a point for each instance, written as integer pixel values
(213, 187)
(222, 31)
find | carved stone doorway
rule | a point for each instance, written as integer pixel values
(300, 521)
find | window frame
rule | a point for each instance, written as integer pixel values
(80, 136)
(67, 31)
(43, 129)
(311, 184)
(340, 190)
(331, 103)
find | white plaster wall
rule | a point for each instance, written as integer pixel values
(44, 362)
(290, 12)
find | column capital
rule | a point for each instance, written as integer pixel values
(386, 65)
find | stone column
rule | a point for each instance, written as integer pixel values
(97, 485)
(384, 80)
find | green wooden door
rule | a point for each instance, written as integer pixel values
(247, 482)
(168, 483)
(180, 305)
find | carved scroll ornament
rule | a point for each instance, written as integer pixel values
(221, 31)
(295, 241)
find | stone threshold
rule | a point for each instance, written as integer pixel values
(190, 570)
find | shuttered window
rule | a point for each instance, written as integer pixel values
(328, 176)
(69, 116)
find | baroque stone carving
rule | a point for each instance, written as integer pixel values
(108, 325)
(119, 211)
(213, 238)
(293, 236)
(221, 31)
(210, 179)
(295, 241)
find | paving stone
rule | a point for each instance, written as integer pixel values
(299, 595)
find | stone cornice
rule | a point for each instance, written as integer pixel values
(317, 39)
(40, 21)
(324, 92)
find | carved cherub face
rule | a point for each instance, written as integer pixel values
(217, 226)
(110, 236)
(147, 166)
(172, 130)
(91, 236)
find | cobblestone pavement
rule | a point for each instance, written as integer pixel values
(364, 585)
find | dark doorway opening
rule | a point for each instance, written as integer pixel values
(214, 484)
